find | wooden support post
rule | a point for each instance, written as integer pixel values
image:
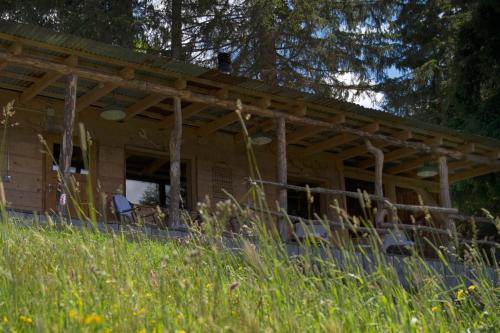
(175, 165)
(281, 173)
(66, 150)
(445, 200)
(378, 154)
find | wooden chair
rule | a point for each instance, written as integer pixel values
(130, 213)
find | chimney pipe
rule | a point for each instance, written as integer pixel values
(224, 62)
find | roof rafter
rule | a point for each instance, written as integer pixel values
(399, 153)
(187, 112)
(310, 131)
(38, 86)
(338, 140)
(405, 134)
(143, 104)
(101, 90)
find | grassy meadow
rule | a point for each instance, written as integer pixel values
(74, 280)
(57, 278)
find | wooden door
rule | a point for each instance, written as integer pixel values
(79, 172)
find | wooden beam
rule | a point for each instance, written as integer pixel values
(93, 95)
(66, 151)
(361, 149)
(217, 124)
(308, 131)
(142, 105)
(338, 140)
(155, 165)
(175, 165)
(399, 153)
(265, 126)
(475, 172)
(153, 87)
(282, 173)
(410, 165)
(38, 86)
(459, 164)
(187, 112)
(353, 172)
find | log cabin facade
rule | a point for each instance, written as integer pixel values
(185, 114)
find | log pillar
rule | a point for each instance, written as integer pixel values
(445, 198)
(282, 173)
(66, 151)
(378, 154)
(174, 218)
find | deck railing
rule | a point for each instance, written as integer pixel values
(451, 213)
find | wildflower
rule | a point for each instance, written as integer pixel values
(460, 294)
(73, 314)
(92, 318)
(26, 319)
(208, 286)
(5, 319)
(472, 287)
(179, 317)
(435, 309)
(180, 331)
(142, 330)
(148, 295)
(139, 312)
(413, 321)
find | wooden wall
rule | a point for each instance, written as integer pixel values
(24, 191)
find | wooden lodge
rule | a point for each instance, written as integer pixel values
(177, 138)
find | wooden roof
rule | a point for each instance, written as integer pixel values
(34, 60)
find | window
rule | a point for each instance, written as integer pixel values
(298, 203)
(143, 193)
(354, 207)
(148, 181)
(77, 165)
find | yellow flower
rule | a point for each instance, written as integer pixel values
(472, 287)
(148, 295)
(208, 286)
(435, 309)
(179, 317)
(460, 294)
(142, 330)
(139, 312)
(26, 319)
(180, 331)
(92, 318)
(5, 319)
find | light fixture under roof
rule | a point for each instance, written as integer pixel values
(259, 138)
(427, 171)
(113, 113)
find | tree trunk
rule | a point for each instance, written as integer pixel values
(281, 172)
(266, 34)
(175, 165)
(66, 151)
(176, 20)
